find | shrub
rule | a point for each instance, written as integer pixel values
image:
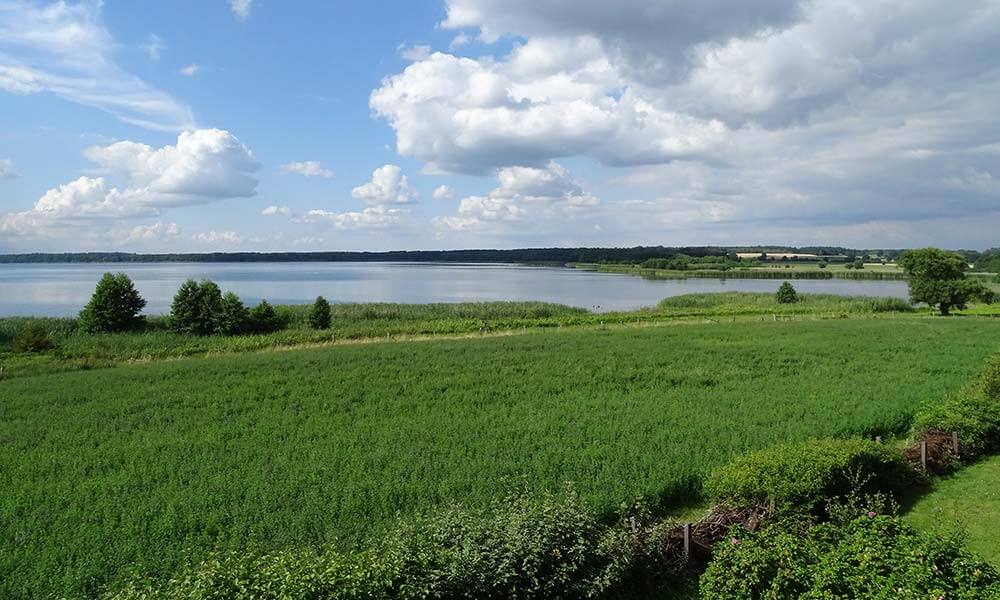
(33, 337)
(973, 412)
(319, 314)
(114, 307)
(803, 474)
(787, 294)
(233, 316)
(196, 307)
(264, 319)
(869, 557)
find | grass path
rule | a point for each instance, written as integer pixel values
(967, 501)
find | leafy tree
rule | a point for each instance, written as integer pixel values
(115, 306)
(264, 319)
(787, 294)
(859, 264)
(319, 314)
(822, 265)
(233, 317)
(937, 278)
(196, 307)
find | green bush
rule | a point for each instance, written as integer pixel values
(973, 412)
(114, 307)
(787, 294)
(319, 314)
(521, 547)
(264, 319)
(233, 317)
(33, 337)
(872, 556)
(802, 475)
(196, 307)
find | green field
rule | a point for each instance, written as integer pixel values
(138, 467)
(968, 501)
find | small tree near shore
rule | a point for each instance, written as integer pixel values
(264, 319)
(787, 294)
(319, 314)
(937, 278)
(233, 316)
(196, 307)
(114, 307)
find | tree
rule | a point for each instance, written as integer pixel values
(859, 264)
(787, 294)
(196, 307)
(937, 278)
(115, 306)
(822, 265)
(233, 317)
(319, 314)
(264, 319)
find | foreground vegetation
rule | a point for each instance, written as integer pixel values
(147, 467)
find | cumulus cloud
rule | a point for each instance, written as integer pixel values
(443, 192)
(272, 211)
(524, 192)
(190, 70)
(157, 232)
(215, 238)
(387, 186)
(7, 169)
(373, 217)
(241, 8)
(309, 168)
(204, 166)
(66, 50)
(738, 116)
(415, 52)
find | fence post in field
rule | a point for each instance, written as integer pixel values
(923, 454)
(687, 542)
(954, 442)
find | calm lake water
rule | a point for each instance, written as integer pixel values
(62, 289)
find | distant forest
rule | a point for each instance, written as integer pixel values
(525, 255)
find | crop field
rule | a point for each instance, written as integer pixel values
(142, 467)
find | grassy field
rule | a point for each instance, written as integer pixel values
(142, 466)
(968, 501)
(353, 322)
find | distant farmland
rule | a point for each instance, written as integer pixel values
(138, 467)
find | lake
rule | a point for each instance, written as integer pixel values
(62, 289)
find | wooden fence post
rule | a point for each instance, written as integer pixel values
(923, 454)
(954, 442)
(687, 542)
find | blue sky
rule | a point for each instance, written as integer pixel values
(263, 125)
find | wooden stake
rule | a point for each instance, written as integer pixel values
(954, 442)
(687, 542)
(923, 454)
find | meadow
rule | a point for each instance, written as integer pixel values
(75, 350)
(143, 467)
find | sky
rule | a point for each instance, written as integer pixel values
(301, 125)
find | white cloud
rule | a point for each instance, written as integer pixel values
(205, 164)
(543, 195)
(218, 238)
(272, 211)
(66, 50)
(458, 41)
(373, 217)
(153, 47)
(190, 70)
(443, 192)
(415, 52)
(241, 8)
(7, 169)
(388, 186)
(309, 168)
(157, 232)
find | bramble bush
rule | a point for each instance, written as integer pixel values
(799, 476)
(973, 412)
(870, 556)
